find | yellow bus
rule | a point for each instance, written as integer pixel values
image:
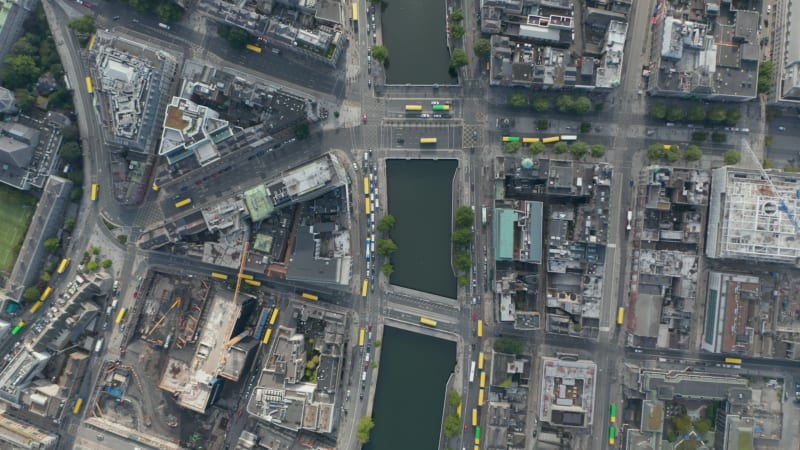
(413, 107)
(246, 276)
(121, 315)
(620, 316)
(733, 360)
(91, 41)
(367, 205)
(480, 328)
(36, 306)
(46, 293)
(219, 276)
(95, 191)
(311, 297)
(267, 335)
(483, 380)
(364, 287)
(529, 140)
(427, 140)
(274, 316)
(254, 48)
(63, 266)
(183, 203)
(255, 283)
(550, 140)
(362, 336)
(89, 85)
(78, 405)
(480, 397)
(474, 417)
(480, 360)
(366, 186)
(355, 11)
(428, 322)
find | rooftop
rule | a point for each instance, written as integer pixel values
(729, 325)
(192, 129)
(568, 390)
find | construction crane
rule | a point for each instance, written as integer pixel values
(164, 316)
(783, 205)
(239, 278)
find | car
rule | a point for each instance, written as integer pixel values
(116, 17)
(364, 118)
(355, 166)
(466, 427)
(474, 316)
(370, 329)
(781, 128)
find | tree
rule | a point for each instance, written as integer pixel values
(732, 157)
(31, 294)
(365, 425)
(560, 148)
(91, 266)
(71, 152)
(682, 423)
(537, 148)
(452, 426)
(454, 399)
(70, 133)
(463, 280)
(457, 31)
(386, 247)
(459, 59)
(716, 115)
(655, 151)
(541, 104)
(52, 244)
(302, 131)
(69, 224)
(378, 343)
(518, 100)
(658, 111)
(697, 113)
(564, 103)
(542, 124)
(719, 136)
(462, 260)
(106, 263)
(75, 194)
(387, 269)
(582, 105)
(586, 127)
(235, 37)
(457, 16)
(96, 251)
(24, 46)
(732, 116)
(20, 71)
(693, 153)
(699, 136)
(380, 53)
(45, 277)
(598, 150)
(703, 425)
(482, 48)
(462, 237)
(766, 76)
(673, 153)
(579, 149)
(83, 24)
(25, 100)
(513, 147)
(675, 114)
(509, 345)
(168, 12)
(465, 217)
(123, 239)
(386, 223)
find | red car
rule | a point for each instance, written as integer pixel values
(370, 326)
(474, 316)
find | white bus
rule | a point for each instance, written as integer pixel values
(472, 372)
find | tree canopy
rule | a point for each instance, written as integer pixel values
(459, 59)
(84, 24)
(732, 157)
(482, 48)
(365, 426)
(537, 148)
(387, 223)
(235, 37)
(579, 149)
(386, 247)
(693, 153)
(598, 150)
(518, 100)
(465, 216)
(512, 346)
(560, 148)
(380, 53)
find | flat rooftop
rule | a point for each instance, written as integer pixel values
(568, 390)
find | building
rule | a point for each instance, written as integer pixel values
(8, 103)
(17, 144)
(192, 130)
(21, 435)
(732, 317)
(785, 24)
(46, 222)
(711, 60)
(321, 255)
(18, 374)
(308, 181)
(753, 219)
(568, 391)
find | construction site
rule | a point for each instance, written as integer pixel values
(186, 335)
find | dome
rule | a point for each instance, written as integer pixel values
(527, 163)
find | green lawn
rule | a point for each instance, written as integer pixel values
(16, 210)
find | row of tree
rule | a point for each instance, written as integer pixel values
(386, 246)
(673, 153)
(717, 115)
(564, 103)
(167, 10)
(578, 149)
(462, 239)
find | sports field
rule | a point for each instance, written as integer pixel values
(16, 209)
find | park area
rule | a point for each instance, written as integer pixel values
(16, 209)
